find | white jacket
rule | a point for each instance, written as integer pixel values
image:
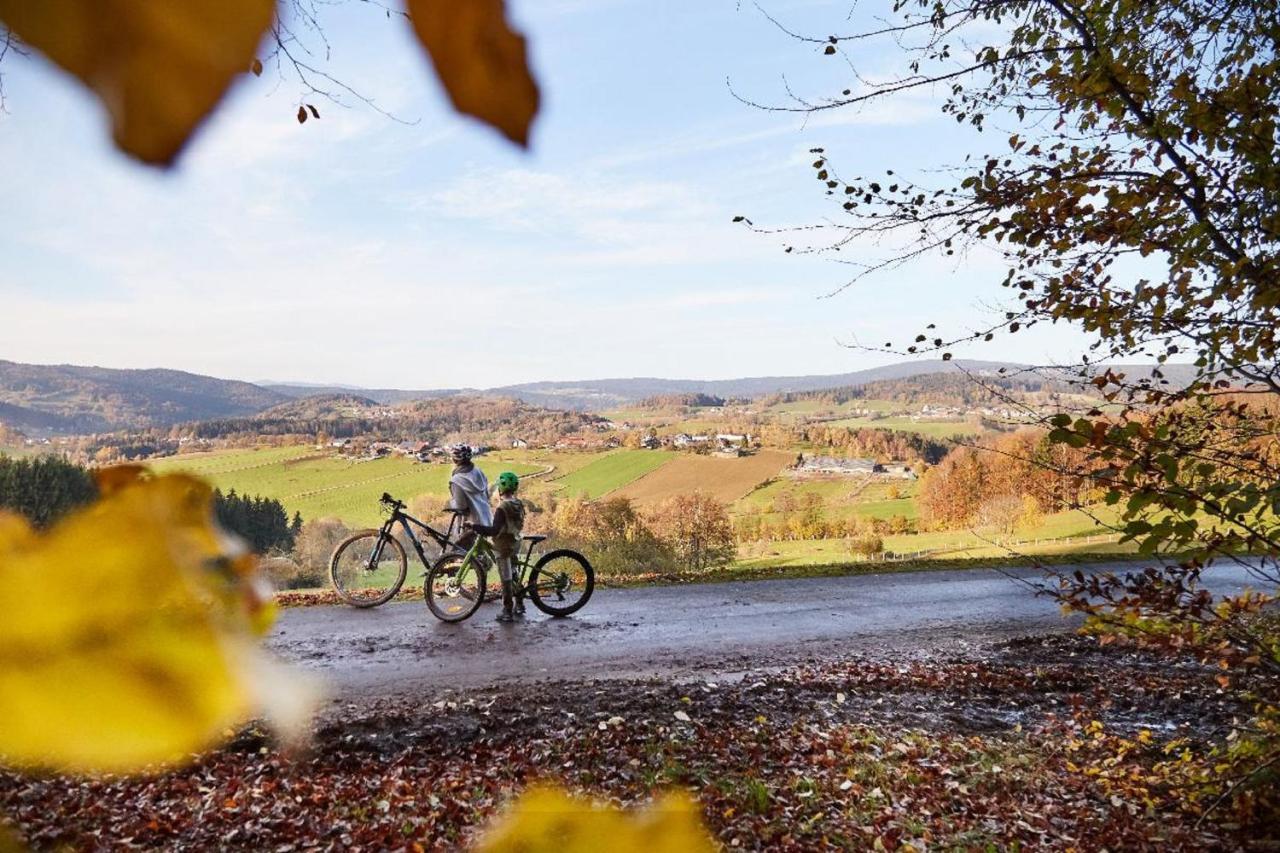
(470, 490)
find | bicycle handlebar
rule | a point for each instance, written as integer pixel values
(390, 501)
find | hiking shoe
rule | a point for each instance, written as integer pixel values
(506, 616)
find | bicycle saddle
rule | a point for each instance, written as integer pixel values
(535, 539)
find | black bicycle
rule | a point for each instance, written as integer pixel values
(369, 566)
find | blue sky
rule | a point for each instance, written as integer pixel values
(362, 250)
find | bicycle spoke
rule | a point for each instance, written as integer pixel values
(561, 583)
(367, 570)
(454, 589)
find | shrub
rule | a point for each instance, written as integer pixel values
(312, 549)
(867, 546)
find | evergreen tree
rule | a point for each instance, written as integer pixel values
(43, 488)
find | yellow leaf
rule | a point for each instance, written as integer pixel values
(480, 61)
(127, 634)
(546, 820)
(158, 66)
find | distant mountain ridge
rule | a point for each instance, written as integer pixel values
(43, 399)
(385, 396)
(611, 393)
(602, 394)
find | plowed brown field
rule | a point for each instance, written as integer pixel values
(725, 478)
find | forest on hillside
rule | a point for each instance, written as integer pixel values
(440, 420)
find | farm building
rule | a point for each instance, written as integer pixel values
(519, 444)
(834, 465)
(901, 470)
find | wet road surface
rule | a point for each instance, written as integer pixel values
(673, 631)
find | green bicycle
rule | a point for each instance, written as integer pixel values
(558, 584)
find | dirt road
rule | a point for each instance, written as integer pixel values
(673, 631)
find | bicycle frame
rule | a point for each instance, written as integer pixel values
(444, 540)
(482, 547)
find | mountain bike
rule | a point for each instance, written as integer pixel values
(558, 584)
(369, 566)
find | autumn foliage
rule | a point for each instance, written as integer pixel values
(969, 484)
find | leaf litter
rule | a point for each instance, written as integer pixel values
(984, 749)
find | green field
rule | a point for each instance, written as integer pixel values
(611, 471)
(1063, 533)
(320, 485)
(933, 429)
(819, 408)
(840, 498)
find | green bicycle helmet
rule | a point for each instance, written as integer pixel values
(508, 482)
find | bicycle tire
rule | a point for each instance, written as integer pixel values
(557, 585)
(340, 572)
(464, 602)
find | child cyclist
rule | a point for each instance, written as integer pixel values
(508, 522)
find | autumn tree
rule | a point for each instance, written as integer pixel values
(613, 533)
(696, 527)
(1138, 198)
(313, 547)
(1000, 513)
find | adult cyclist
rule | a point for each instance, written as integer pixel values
(469, 492)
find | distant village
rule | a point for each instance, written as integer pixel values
(721, 444)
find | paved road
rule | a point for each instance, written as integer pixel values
(672, 631)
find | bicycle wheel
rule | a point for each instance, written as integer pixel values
(368, 569)
(452, 592)
(561, 582)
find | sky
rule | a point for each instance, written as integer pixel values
(422, 250)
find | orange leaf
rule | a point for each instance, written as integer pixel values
(159, 67)
(480, 61)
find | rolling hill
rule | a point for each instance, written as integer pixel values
(64, 398)
(44, 399)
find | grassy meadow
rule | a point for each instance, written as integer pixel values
(319, 483)
(611, 471)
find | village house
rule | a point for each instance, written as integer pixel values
(519, 444)
(413, 448)
(651, 442)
